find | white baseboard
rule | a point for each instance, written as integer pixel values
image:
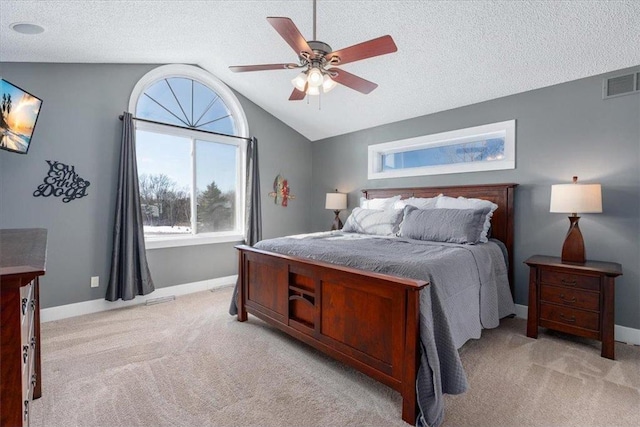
(97, 305)
(628, 335)
(621, 333)
(522, 311)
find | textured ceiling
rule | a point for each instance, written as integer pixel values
(450, 54)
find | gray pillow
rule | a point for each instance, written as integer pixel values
(374, 221)
(443, 225)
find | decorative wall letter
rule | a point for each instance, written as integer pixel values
(62, 181)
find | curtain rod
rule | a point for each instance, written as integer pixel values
(182, 127)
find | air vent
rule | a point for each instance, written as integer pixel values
(621, 85)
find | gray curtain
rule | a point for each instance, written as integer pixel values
(253, 212)
(130, 274)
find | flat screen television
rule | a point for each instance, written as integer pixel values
(18, 116)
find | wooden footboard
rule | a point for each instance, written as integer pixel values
(367, 320)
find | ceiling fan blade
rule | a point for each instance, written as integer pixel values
(263, 67)
(298, 95)
(369, 49)
(352, 81)
(290, 33)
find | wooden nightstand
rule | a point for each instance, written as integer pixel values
(573, 298)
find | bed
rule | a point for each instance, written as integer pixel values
(372, 320)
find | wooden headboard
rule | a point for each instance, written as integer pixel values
(500, 194)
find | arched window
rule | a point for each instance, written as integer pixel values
(190, 165)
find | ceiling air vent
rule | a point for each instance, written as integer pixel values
(621, 85)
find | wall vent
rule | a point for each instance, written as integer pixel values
(621, 85)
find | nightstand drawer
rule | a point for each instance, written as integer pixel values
(570, 297)
(569, 316)
(554, 277)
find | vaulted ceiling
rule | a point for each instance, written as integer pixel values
(450, 54)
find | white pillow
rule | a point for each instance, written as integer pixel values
(464, 203)
(374, 221)
(379, 204)
(399, 204)
(422, 202)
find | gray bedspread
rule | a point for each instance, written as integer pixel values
(468, 291)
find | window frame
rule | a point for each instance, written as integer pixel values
(242, 131)
(507, 128)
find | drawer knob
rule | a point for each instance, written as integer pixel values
(26, 409)
(25, 353)
(568, 282)
(24, 306)
(33, 342)
(34, 379)
(571, 300)
(33, 305)
(571, 319)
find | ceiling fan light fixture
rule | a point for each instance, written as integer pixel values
(300, 81)
(328, 83)
(313, 90)
(315, 77)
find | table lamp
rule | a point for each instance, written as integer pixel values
(575, 198)
(336, 202)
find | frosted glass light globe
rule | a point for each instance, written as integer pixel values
(315, 77)
(300, 81)
(328, 84)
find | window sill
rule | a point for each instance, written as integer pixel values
(204, 239)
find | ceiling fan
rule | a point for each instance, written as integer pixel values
(318, 60)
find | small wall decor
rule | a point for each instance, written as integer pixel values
(62, 181)
(280, 193)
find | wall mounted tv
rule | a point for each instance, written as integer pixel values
(18, 115)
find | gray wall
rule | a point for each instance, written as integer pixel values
(78, 125)
(561, 131)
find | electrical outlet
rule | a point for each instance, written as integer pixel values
(95, 281)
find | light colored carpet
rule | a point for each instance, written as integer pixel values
(188, 363)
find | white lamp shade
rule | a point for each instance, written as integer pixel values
(336, 201)
(300, 81)
(328, 84)
(315, 77)
(576, 198)
(313, 90)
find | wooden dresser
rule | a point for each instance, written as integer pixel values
(22, 261)
(574, 298)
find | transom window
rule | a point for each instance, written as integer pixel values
(190, 172)
(480, 148)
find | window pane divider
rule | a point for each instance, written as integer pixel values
(194, 190)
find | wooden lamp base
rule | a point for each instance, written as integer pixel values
(337, 223)
(573, 248)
